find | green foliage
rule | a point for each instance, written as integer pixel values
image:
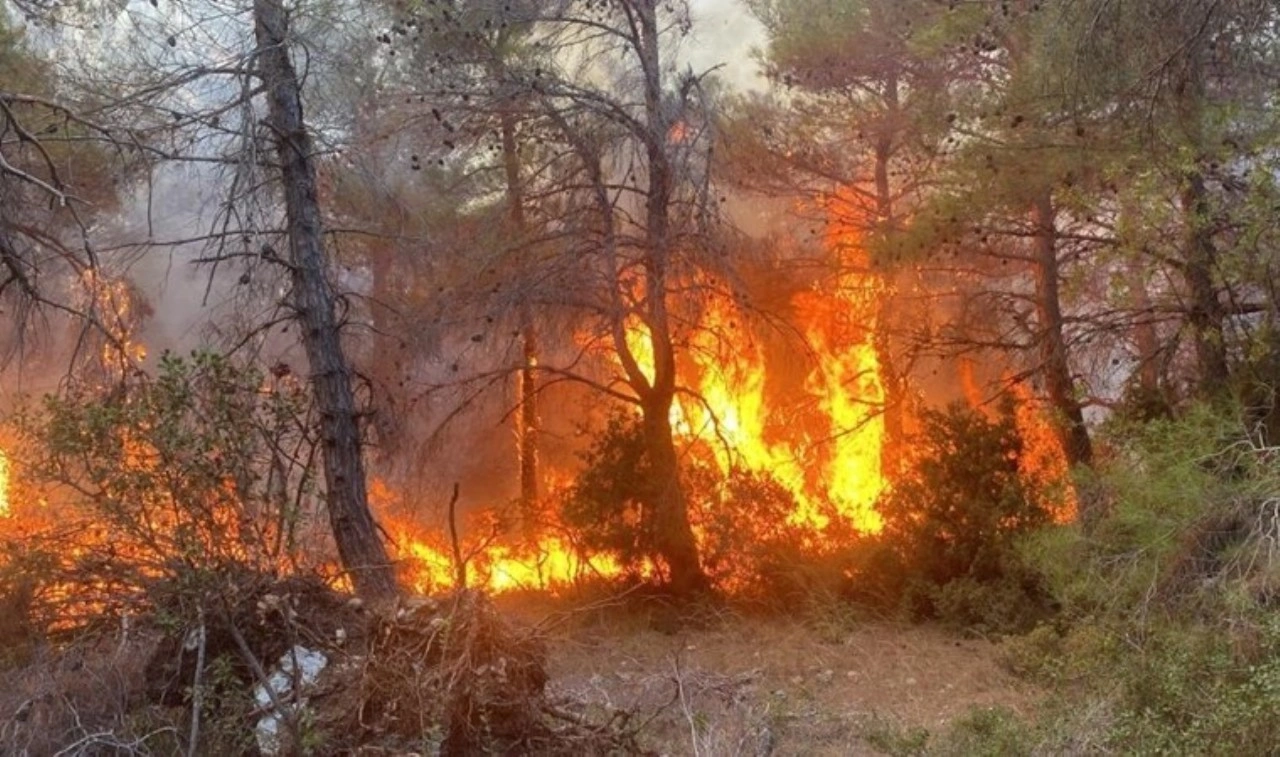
(949, 548)
(1168, 641)
(993, 731)
(608, 503)
(957, 512)
(163, 487)
(746, 543)
(1166, 482)
(890, 738)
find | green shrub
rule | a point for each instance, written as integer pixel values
(607, 506)
(746, 544)
(952, 525)
(163, 487)
(1169, 641)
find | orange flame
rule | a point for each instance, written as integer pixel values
(1043, 465)
(116, 306)
(833, 460)
(5, 512)
(428, 565)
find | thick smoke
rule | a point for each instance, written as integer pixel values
(725, 34)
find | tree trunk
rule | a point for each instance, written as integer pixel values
(671, 513)
(675, 539)
(1200, 257)
(527, 430)
(892, 382)
(359, 545)
(1054, 365)
(1205, 312)
(386, 365)
(527, 383)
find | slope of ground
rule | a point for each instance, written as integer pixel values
(752, 686)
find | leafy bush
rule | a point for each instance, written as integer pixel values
(158, 510)
(952, 525)
(746, 542)
(149, 495)
(1188, 525)
(608, 503)
(1168, 641)
(992, 731)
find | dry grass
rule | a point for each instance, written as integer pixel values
(752, 686)
(82, 700)
(619, 679)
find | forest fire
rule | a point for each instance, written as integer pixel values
(829, 450)
(819, 434)
(820, 439)
(429, 562)
(4, 485)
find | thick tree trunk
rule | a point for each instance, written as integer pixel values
(675, 539)
(359, 545)
(1205, 313)
(675, 535)
(1054, 365)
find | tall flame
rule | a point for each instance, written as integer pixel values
(1043, 464)
(850, 393)
(829, 459)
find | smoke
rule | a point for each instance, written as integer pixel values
(724, 34)
(181, 296)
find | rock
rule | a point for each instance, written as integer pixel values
(300, 665)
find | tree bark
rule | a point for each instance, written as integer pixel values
(675, 534)
(1054, 365)
(1146, 341)
(675, 539)
(892, 382)
(527, 384)
(359, 546)
(1205, 314)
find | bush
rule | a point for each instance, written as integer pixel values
(1188, 527)
(1169, 641)
(746, 544)
(607, 505)
(161, 487)
(952, 525)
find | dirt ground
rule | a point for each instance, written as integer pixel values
(755, 686)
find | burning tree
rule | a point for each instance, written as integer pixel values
(165, 107)
(640, 259)
(606, 200)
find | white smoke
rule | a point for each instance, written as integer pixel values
(725, 34)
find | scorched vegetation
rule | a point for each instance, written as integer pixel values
(639, 377)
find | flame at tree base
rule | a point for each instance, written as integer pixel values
(5, 512)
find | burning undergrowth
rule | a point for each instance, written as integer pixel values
(186, 508)
(161, 535)
(290, 667)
